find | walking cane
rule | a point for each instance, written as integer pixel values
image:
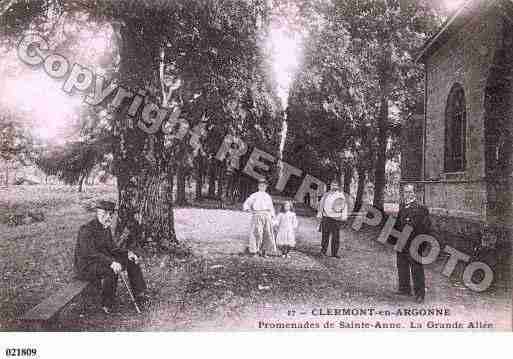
(123, 276)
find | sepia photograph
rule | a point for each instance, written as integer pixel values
(257, 166)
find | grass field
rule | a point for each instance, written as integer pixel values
(37, 258)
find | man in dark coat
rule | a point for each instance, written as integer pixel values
(98, 258)
(415, 215)
(332, 212)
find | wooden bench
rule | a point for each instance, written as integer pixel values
(43, 315)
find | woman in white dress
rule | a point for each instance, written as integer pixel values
(287, 225)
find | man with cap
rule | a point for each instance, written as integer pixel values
(332, 211)
(98, 258)
(412, 213)
(261, 237)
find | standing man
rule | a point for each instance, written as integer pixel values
(261, 236)
(415, 215)
(98, 258)
(332, 211)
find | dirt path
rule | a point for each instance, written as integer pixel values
(226, 290)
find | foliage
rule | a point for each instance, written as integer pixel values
(359, 83)
(74, 162)
(15, 141)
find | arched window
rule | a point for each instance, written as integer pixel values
(455, 130)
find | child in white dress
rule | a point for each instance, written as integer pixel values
(287, 225)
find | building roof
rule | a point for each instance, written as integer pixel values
(469, 10)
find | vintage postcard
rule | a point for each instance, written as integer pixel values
(255, 165)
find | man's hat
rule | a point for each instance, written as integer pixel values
(262, 180)
(106, 205)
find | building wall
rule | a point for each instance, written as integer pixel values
(465, 59)
(458, 202)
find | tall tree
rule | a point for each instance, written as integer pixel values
(385, 34)
(324, 99)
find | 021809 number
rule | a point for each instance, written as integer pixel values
(20, 352)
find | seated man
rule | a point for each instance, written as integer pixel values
(97, 257)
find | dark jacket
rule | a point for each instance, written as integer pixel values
(94, 246)
(417, 216)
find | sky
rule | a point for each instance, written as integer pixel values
(285, 52)
(38, 99)
(42, 104)
(452, 5)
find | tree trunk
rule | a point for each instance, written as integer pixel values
(212, 179)
(141, 164)
(348, 176)
(220, 183)
(361, 187)
(199, 177)
(152, 220)
(231, 186)
(236, 191)
(81, 183)
(171, 179)
(379, 173)
(199, 185)
(244, 193)
(6, 173)
(181, 198)
(156, 211)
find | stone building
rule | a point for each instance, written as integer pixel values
(459, 151)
